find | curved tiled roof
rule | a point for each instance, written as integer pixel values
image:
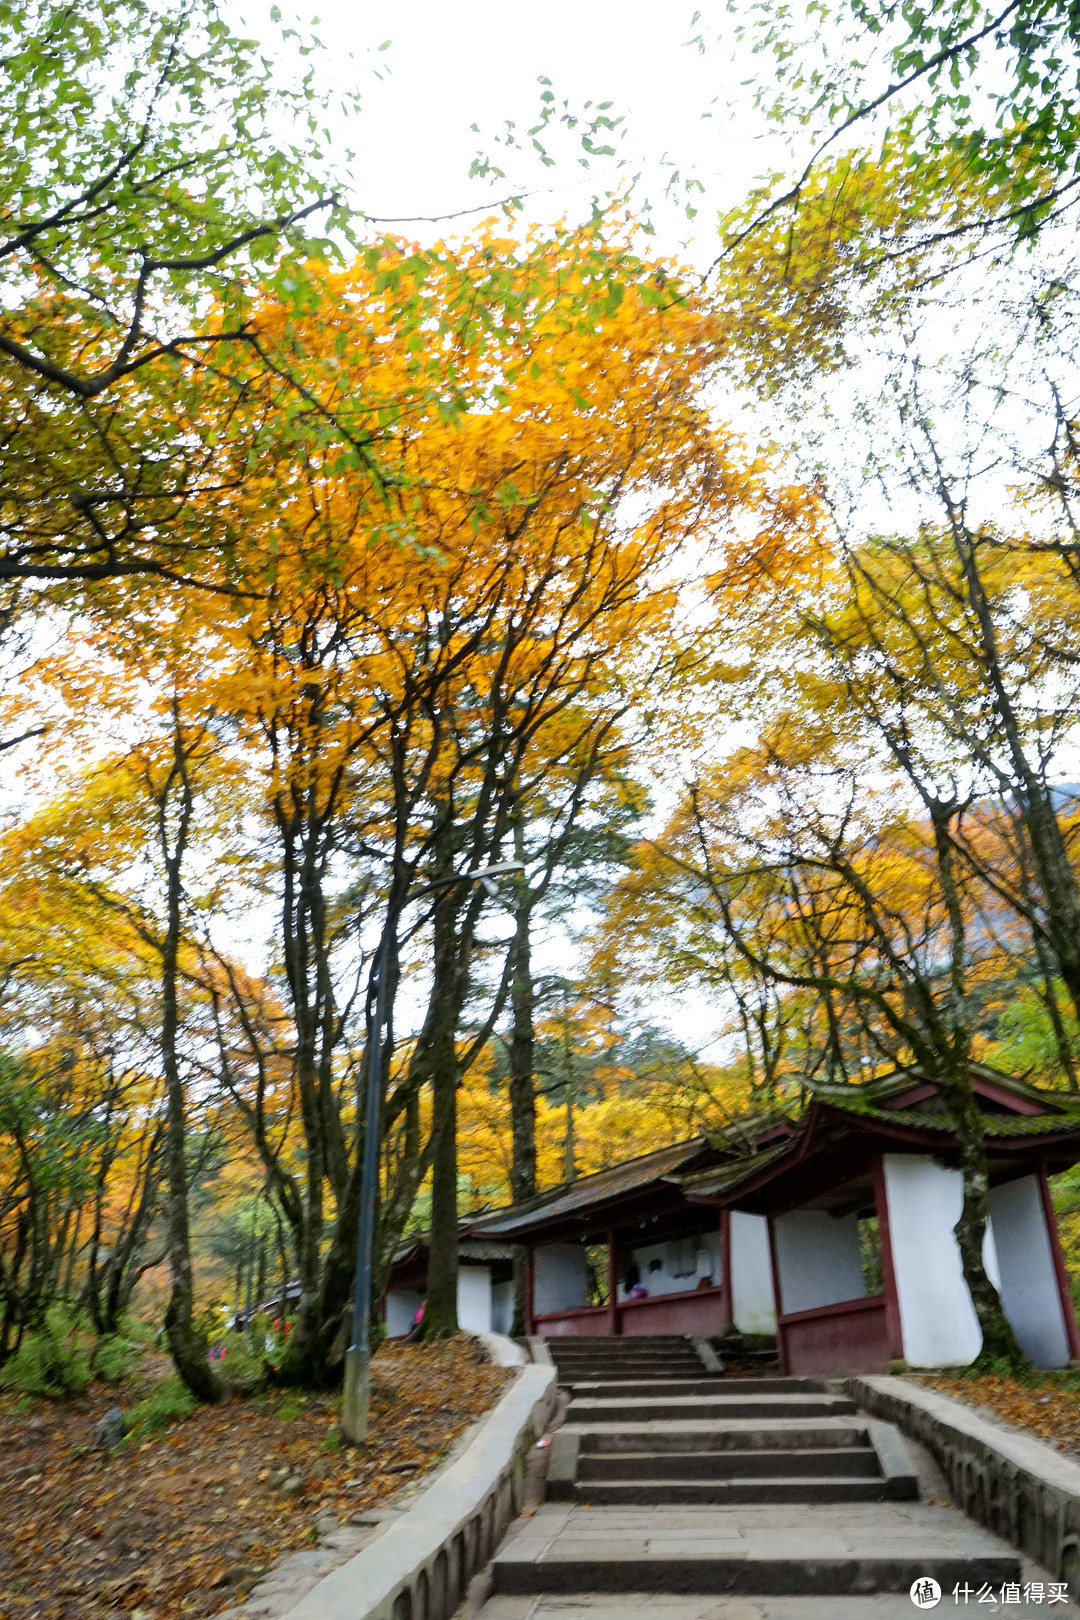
(582, 1194)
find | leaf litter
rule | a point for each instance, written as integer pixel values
(186, 1521)
(1048, 1408)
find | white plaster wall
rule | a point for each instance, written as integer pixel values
(753, 1304)
(937, 1319)
(402, 1305)
(707, 1263)
(474, 1298)
(817, 1257)
(502, 1307)
(1029, 1286)
(560, 1282)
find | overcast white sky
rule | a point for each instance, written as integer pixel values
(478, 61)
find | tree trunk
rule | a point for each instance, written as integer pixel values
(569, 1167)
(440, 1313)
(440, 1061)
(304, 1361)
(522, 1088)
(1059, 889)
(185, 1344)
(949, 1020)
(999, 1341)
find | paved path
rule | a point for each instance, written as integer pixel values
(702, 1497)
(572, 1556)
(665, 1607)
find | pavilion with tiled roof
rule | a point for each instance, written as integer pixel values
(625, 1251)
(861, 1196)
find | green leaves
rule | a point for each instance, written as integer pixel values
(143, 151)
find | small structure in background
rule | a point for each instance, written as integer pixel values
(625, 1251)
(861, 1199)
(485, 1290)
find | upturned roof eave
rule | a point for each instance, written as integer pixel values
(825, 1124)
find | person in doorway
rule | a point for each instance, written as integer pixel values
(632, 1286)
(417, 1323)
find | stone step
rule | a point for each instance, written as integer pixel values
(518, 1569)
(623, 1350)
(815, 1437)
(702, 1384)
(650, 1491)
(633, 1388)
(616, 1374)
(615, 1366)
(762, 1606)
(830, 1462)
(589, 1340)
(621, 1347)
(607, 1351)
(711, 1407)
(611, 1375)
(614, 1369)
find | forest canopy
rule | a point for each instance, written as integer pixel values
(399, 632)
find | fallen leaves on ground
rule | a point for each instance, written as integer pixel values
(1048, 1411)
(186, 1521)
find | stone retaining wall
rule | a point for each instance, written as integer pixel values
(419, 1567)
(1016, 1485)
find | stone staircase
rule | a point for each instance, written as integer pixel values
(763, 1465)
(669, 1477)
(687, 1434)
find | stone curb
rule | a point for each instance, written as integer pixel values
(1016, 1485)
(421, 1564)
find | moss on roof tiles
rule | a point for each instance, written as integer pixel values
(999, 1125)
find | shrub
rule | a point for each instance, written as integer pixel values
(139, 1332)
(54, 1360)
(165, 1403)
(116, 1357)
(64, 1354)
(240, 1368)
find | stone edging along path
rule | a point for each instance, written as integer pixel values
(418, 1568)
(1016, 1485)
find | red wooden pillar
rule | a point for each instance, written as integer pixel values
(1068, 1310)
(781, 1344)
(613, 1284)
(893, 1326)
(727, 1303)
(530, 1314)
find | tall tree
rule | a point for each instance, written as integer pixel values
(158, 167)
(925, 139)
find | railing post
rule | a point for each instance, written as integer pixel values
(893, 1324)
(727, 1303)
(530, 1310)
(781, 1344)
(613, 1284)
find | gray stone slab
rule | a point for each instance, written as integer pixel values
(898, 1606)
(510, 1608)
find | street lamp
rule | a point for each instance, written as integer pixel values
(354, 1406)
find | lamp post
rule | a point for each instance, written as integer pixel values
(357, 1395)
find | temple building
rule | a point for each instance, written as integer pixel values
(831, 1228)
(861, 1201)
(626, 1252)
(485, 1286)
